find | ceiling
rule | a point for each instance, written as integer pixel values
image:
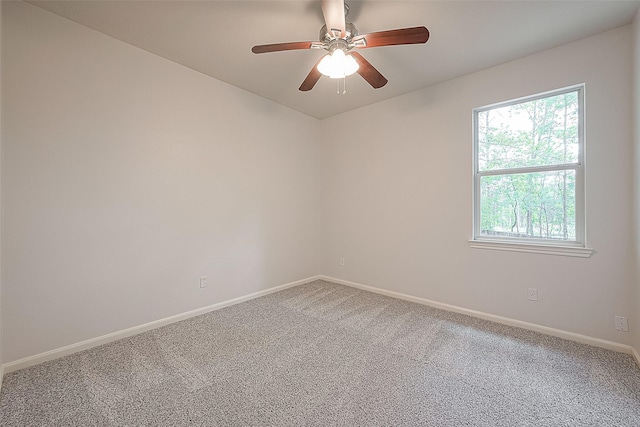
(215, 38)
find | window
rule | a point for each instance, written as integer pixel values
(529, 173)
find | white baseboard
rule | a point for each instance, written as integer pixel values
(114, 336)
(584, 339)
(636, 356)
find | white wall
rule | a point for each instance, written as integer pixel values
(397, 200)
(126, 177)
(635, 319)
(1, 370)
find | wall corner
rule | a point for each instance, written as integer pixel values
(635, 83)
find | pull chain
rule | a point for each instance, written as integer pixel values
(344, 85)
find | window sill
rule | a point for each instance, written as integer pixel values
(572, 251)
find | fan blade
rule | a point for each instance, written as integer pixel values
(333, 11)
(278, 47)
(412, 35)
(368, 72)
(312, 78)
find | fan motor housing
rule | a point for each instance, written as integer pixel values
(350, 30)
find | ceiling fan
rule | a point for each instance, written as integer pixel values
(340, 38)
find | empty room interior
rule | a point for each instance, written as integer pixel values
(201, 225)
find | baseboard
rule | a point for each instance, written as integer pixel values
(584, 339)
(114, 336)
(636, 356)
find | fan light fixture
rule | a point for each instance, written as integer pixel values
(337, 65)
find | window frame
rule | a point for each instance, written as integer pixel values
(577, 247)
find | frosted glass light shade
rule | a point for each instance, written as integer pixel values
(338, 65)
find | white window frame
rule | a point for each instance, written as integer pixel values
(576, 248)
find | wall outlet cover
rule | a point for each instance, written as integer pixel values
(622, 323)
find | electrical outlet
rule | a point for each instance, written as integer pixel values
(203, 282)
(341, 261)
(532, 294)
(622, 324)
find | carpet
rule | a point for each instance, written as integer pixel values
(322, 354)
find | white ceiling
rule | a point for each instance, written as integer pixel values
(215, 38)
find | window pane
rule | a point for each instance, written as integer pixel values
(533, 133)
(540, 205)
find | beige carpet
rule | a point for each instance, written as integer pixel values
(323, 354)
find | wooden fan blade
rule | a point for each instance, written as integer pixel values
(312, 78)
(368, 72)
(412, 35)
(278, 47)
(333, 11)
